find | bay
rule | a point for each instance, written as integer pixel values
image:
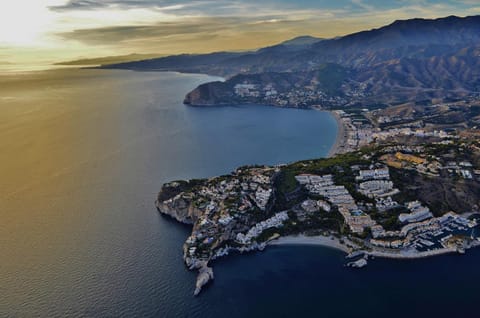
(83, 154)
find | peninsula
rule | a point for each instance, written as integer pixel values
(386, 200)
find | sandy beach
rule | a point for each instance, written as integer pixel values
(341, 139)
(326, 241)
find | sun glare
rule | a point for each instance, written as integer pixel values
(24, 22)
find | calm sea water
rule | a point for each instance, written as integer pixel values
(82, 156)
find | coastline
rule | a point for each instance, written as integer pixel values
(425, 254)
(341, 138)
(416, 255)
(334, 243)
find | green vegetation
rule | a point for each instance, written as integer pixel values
(332, 221)
(287, 182)
(171, 189)
(266, 234)
(331, 76)
(389, 219)
(232, 201)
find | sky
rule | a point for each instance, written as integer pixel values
(41, 32)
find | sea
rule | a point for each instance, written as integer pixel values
(83, 154)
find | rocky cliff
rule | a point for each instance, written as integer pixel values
(181, 210)
(210, 94)
(173, 202)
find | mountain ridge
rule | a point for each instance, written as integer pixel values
(407, 60)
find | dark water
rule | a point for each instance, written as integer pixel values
(312, 282)
(82, 157)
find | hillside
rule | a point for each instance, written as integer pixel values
(409, 60)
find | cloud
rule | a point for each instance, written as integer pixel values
(183, 7)
(96, 4)
(201, 34)
(128, 33)
(363, 5)
(110, 27)
(196, 29)
(372, 11)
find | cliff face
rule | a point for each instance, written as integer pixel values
(209, 94)
(173, 202)
(179, 209)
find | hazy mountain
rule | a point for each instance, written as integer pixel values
(302, 41)
(221, 63)
(110, 59)
(213, 63)
(416, 38)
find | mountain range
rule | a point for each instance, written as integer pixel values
(408, 60)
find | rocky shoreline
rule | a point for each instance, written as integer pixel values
(186, 215)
